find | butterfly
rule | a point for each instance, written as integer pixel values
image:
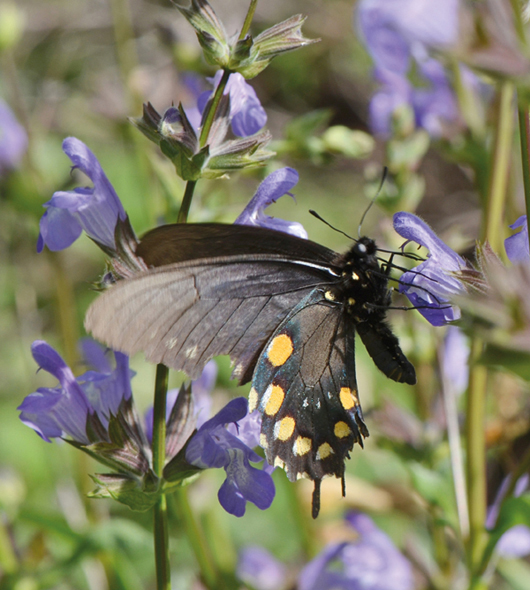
(284, 308)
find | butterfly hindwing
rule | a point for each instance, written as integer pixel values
(305, 386)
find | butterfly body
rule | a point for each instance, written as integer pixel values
(285, 309)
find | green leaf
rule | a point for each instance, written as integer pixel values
(124, 489)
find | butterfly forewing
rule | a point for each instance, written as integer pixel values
(184, 314)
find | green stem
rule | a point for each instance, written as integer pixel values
(186, 201)
(159, 458)
(524, 133)
(476, 462)
(248, 19)
(205, 131)
(499, 166)
(209, 574)
(163, 573)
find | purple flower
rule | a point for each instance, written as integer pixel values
(13, 140)
(516, 246)
(395, 92)
(214, 446)
(95, 210)
(396, 29)
(398, 34)
(64, 410)
(277, 184)
(515, 542)
(258, 568)
(432, 283)
(247, 116)
(371, 563)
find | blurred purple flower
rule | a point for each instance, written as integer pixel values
(517, 248)
(261, 570)
(13, 140)
(214, 446)
(200, 389)
(64, 410)
(431, 284)
(455, 366)
(95, 210)
(277, 184)
(247, 116)
(371, 563)
(516, 541)
(398, 34)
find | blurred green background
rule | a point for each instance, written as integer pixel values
(82, 68)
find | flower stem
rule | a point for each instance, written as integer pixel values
(205, 131)
(476, 463)
(186, 201)
(248, 19)
(499, 166)
(159, 457)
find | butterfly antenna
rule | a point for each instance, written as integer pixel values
(315, 214)
(383, 178)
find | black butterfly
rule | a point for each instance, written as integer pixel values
(285, 309)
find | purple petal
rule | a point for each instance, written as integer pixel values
(105, 390)
(246, 113)
(414, 229)
(51, 361)
(418, 22)
(59, 229)
(436, 105)
(395, 91)
(515, 542)
(374, 562)
(231, 499)
(248, 429)
(94, 355)
(13, 140)
(277, 184)
(517, 248)
(244, 483)
(248, 116)
(36, 413)
(59, 411)
(233, 411)
(387, 47)
(315, 575)
(96, 210)
(431, 284)
(261, 570)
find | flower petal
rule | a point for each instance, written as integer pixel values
(517, 248)
(96, 210)
(277, 184)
